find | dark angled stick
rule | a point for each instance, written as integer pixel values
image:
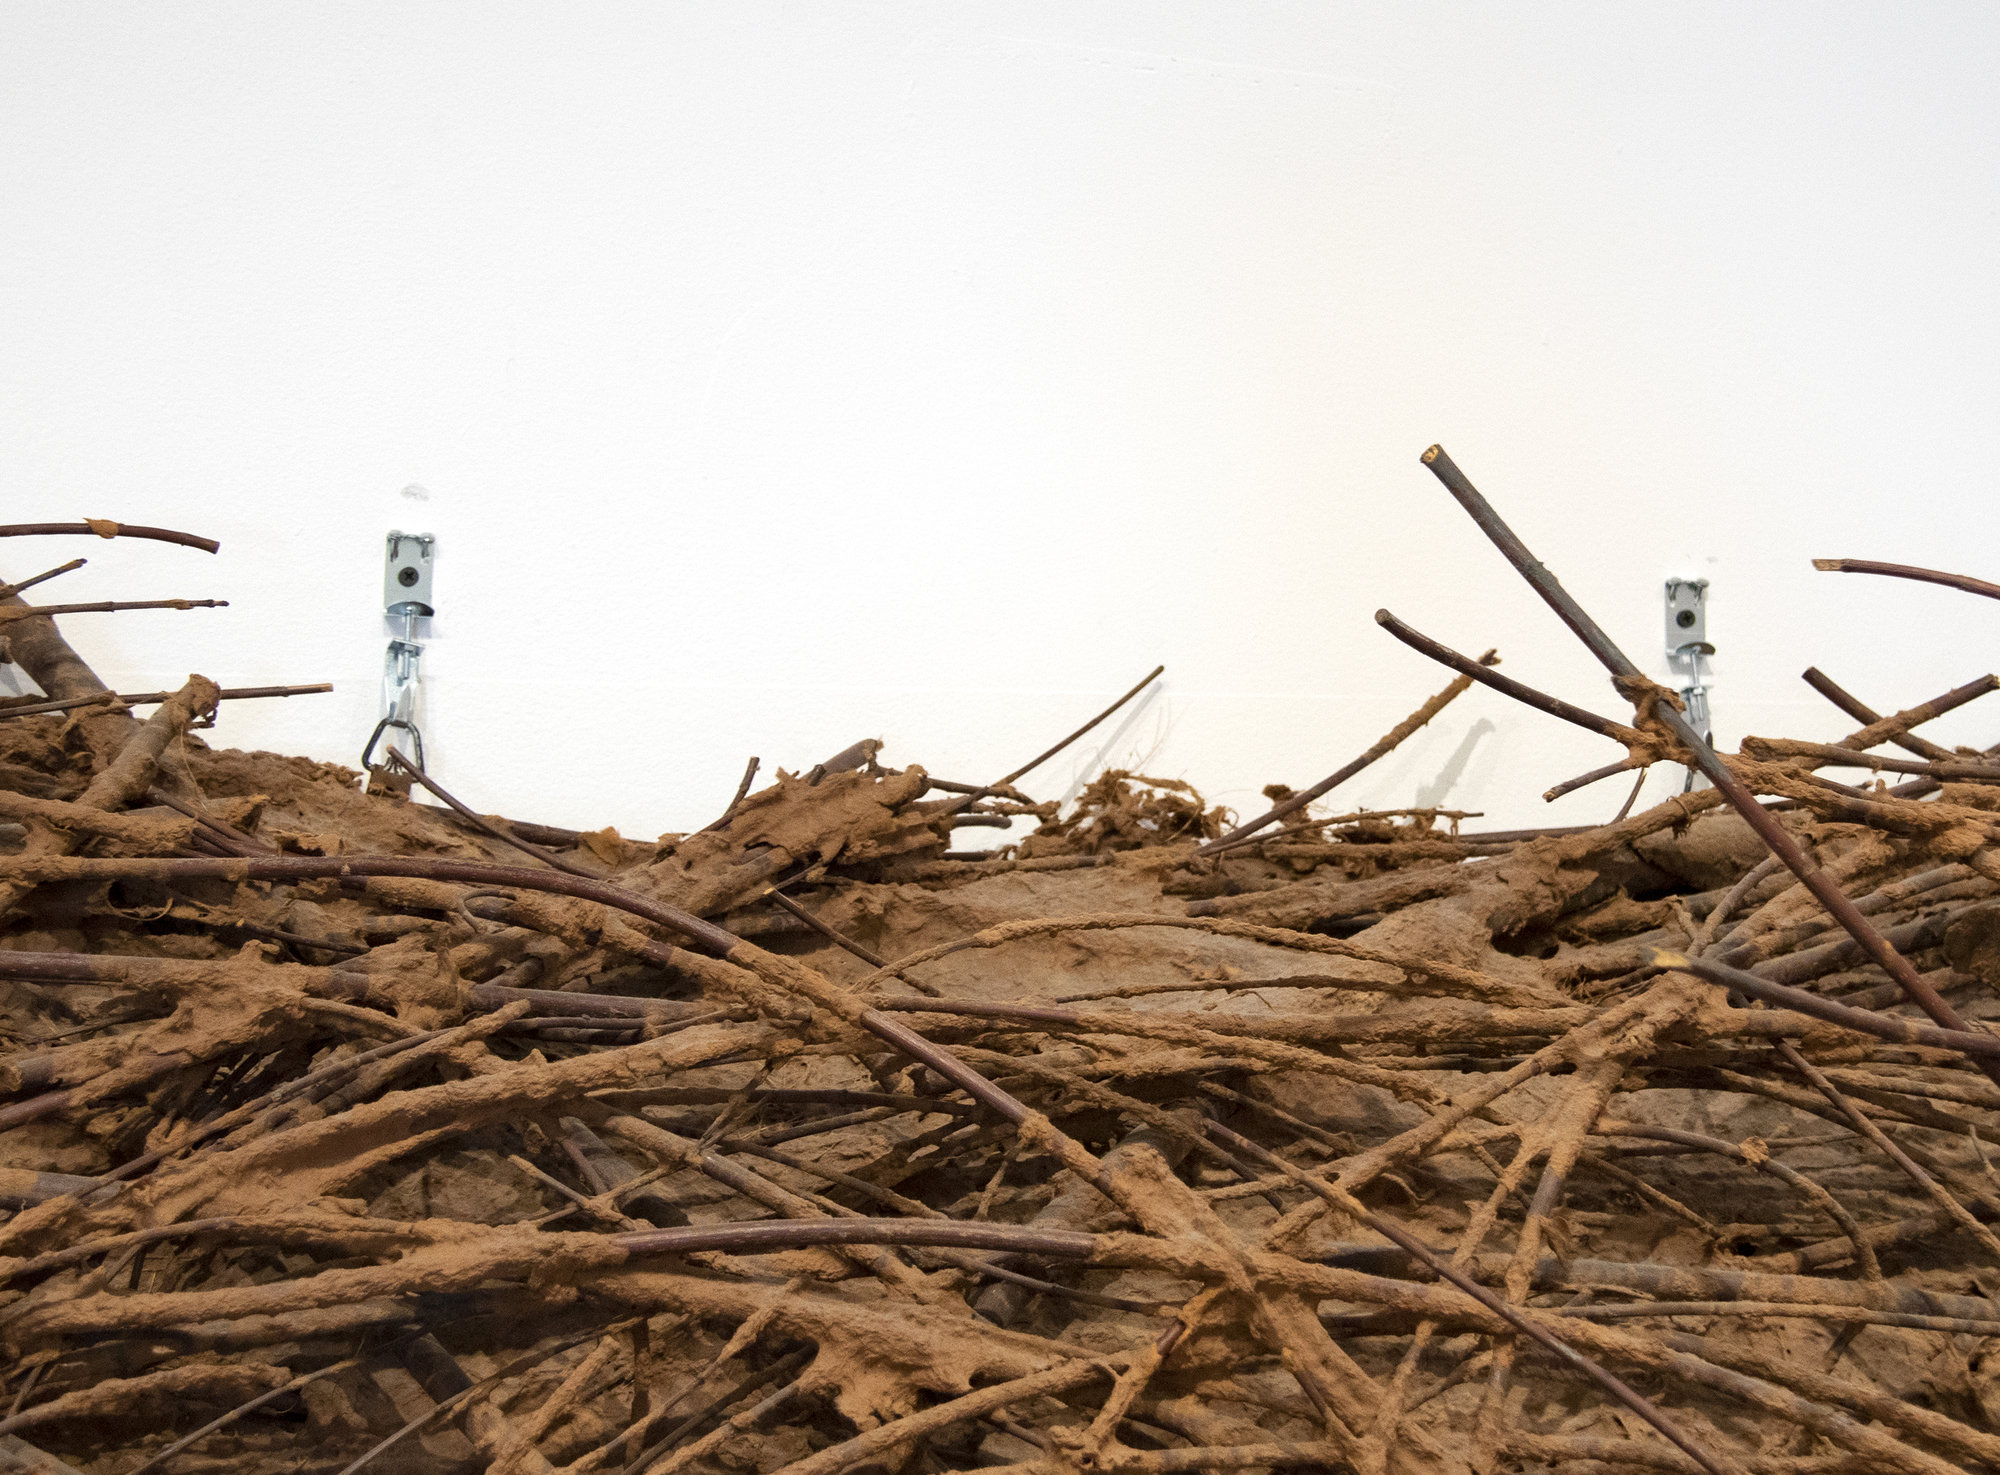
(1963, 582)
(103, 528)
(1866, 1126)
(1385, 745)
(1444, 655)
(554, 835)
(1610, 1382)
(10, 590)
(1032, 764)
(1775, 837)
(148, 698)
(448, 1398)
(480, 822)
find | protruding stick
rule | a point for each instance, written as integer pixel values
(10, 590)
(1963, 582)
(1444, 655)
(844, 942)
(106, 607)
(148, 698)
(105, 528)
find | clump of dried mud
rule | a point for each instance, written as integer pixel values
(811, 1142)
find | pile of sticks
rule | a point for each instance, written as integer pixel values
(355, 1131)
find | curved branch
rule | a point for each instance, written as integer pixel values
(1965, 583)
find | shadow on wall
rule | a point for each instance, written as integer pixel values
(1432, 794)
(1089, 769)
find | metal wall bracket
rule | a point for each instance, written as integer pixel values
(1687, 617)
(1688, 651)
(406, 598)
(406, 575)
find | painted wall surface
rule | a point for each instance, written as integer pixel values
(776, 375)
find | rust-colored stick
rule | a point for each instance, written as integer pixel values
(1585, 780)
(763, 1236)
(108, 607)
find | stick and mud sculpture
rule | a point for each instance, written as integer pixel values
(342, 1132)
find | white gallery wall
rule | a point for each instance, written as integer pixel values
(777, 375)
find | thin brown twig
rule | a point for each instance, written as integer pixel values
(1585, 780)
(1444, 655)
(1965, 583)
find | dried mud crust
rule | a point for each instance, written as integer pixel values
(1091, 1154)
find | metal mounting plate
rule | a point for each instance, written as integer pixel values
(406, 575)
(1687, 616)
